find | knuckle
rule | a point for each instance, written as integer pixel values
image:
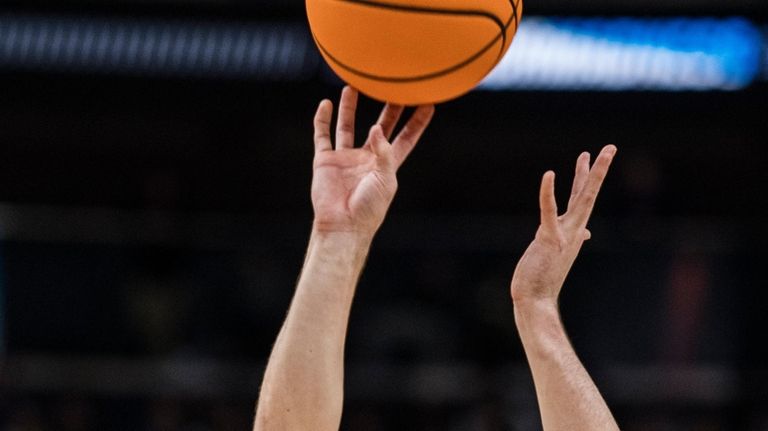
(590, 195)
(600, 175)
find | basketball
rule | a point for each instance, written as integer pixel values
(413, 52)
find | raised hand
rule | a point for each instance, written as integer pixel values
(542, 270)
(352, 188)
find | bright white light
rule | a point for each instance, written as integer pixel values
(629, 54)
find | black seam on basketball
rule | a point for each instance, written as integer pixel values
(515, 6)
(502, 33)
(426, 77)
(502, 26)
(419, 9)
(515, 9)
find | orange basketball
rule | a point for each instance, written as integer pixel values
(413, 52)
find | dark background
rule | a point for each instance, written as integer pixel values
(153, 228)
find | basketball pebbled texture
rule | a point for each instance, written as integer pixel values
(413, 52)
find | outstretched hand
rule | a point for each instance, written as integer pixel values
(352, 188)
(542, 270)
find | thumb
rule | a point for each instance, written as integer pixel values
(385, 157)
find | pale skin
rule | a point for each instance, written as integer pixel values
(568, 398)
(352, 190)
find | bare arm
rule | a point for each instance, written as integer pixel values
(303, 384)
(352, 189)
(568, 398)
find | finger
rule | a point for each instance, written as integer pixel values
(547, 202)
(580, 178)
(380, 146)
(587, 235)
(389, 117)
(585, 202)
(322, 122)
(345, 127)
(411, 133)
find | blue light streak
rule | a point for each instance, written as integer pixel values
(631, 54)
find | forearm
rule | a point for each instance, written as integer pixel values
(303, 383)
(568, 398)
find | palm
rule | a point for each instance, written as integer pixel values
(348, 185)
(352, 188)
(543, 268)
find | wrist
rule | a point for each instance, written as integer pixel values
(539, 325)
(339, 256)
(344, 228)
(537, 312)
(342, 237)
(339, 249)
(536, 306)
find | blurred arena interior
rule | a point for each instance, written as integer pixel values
(155, 159)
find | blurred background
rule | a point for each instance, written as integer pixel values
(155, 162)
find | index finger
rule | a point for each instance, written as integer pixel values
(322, 121)
(585, 201)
